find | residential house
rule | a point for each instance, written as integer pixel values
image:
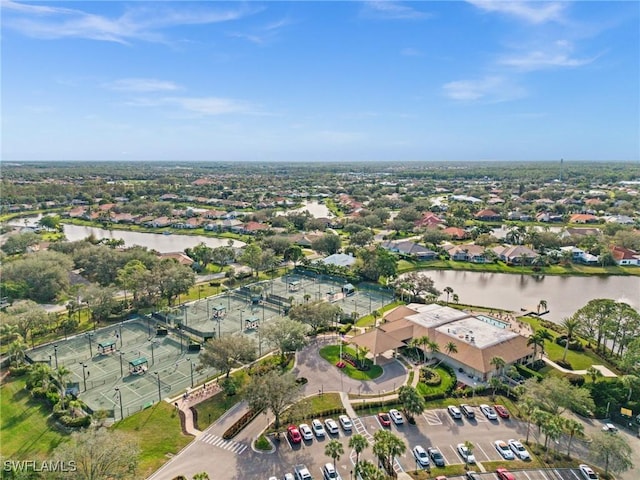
(548, 217)
(580, 232)
(253, 228)
(487, 215)
(625, 256)
(411, 249)
(467, 253)
(121, 217)
(428, 219)
(516, 254)
(159, 222)
(621, 219)
(456, 233)
(339, 259)
(179, 257)
(583, 218)
(580, 256)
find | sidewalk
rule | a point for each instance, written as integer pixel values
(601, 368)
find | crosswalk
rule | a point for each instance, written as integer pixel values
(216, 441)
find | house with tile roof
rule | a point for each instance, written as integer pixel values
(625, 256)
(516, 254)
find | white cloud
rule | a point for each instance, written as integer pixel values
(538, 60)
(532, 12)
(489, 89)
(142, 85)
(209, 106)
(136, 23)
(392, 10)
(265, 34)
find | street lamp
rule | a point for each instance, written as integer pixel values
(241, 312)
(120, 402)
(121, 371)
(90, 337)
(152, 356)
(55, 352)
(120, 328)
(84, 375)
(191, 364)
(159, 393)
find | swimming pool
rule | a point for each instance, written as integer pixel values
(492, 321)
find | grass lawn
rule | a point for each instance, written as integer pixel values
(159, 434)
(213, 408)
(447, 381)
(324, 402)
(370, 320)
(448, 471)
(331, 353)
(28, 431)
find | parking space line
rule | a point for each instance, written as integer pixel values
(482, 450)
(455, 452)
(526, 474)
(573, 472)
(432, 417)
(446, 460)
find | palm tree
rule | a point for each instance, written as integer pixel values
(39, 375)
(363, 355)
(358, 443)
(470, 446)
(412, 401)
(415, 343)
(448, 291)
(552, 429)
(542, 305)
(368, 471)
(537, 340)
(451, 348)
(495, 383)
(630, 381)
(334, 449)
(455, 298)
(594, 373)
(572, 427)
(17, 350)
(570, 324)
(498, 362)
(528, 406)
(62, 375)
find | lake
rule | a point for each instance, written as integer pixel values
(564, 294)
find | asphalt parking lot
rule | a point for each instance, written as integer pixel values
(234, 460)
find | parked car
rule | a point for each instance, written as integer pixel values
(345, 422)
(504, 474)
(396, 416)
(301, 472)
(587, 472)
(436, 456)
(330, 473)
(519, 450)
(488, 412)
(294, 434)
(473, 475)
(610, 427)
(502, 411)
(504, 450)
(288, 476)
(454, 412)
(465, 453)
(273, 478)
(385, 419)
(305, 431)
(421, 456)
(318, 429)
(331, 426)
(468, 411)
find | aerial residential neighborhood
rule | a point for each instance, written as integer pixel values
(346, 240)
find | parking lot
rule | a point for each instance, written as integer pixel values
(433, 428)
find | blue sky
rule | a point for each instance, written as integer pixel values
(320, 81)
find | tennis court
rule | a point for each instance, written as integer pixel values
(128, 361)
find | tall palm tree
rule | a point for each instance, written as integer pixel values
(333, 450)
(451, 348)
(498, 362)
(528, 406)
(455, 298)
(358, 443)
(542, 305)
(594, 373)
(17, 350)
(448, 291)
(62, 374)
(572, 427)
(630, 381)
(570, 324)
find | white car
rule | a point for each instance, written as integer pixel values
(345, 422)
(518, 449)
(396, 416)
(504, 450)
(421, 456)
(305, 431)
(318, 429)
(454, 412)
(488, 412)
(331, 426)
(329, 473)
(610, 427)
(587, 472)
(465, 453)
(288, 476)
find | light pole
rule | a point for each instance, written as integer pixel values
(149, 326)
(84, 375)
(241, 312)
(191, 365)
(90, 337)
(120, 402)
(55, 353)
(152, 356)
(120, 328)
(159, 393)
(121, 371)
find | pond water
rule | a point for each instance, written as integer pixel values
(563, 294)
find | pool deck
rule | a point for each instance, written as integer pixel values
(510, 319)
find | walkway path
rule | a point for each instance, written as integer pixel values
(601, 368)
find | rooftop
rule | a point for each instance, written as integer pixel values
(476, 332)
(434, 315)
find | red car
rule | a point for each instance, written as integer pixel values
(294, 434)
(504, 474)
(501, 411)
(385, 419)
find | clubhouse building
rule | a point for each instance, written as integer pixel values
(477, 338)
